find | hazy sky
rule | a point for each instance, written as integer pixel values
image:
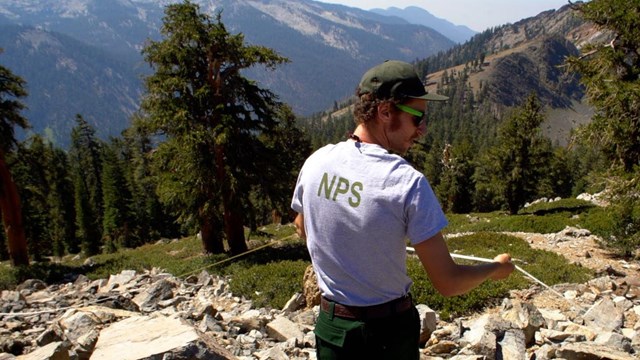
(476, 14)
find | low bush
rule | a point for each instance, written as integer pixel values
(270, 284)
(574, 206)
(497, 222)
(625, 239)
(8, 278)
(599, 221)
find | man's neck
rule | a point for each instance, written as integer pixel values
(367, 135)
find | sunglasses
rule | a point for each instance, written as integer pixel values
(418, 116)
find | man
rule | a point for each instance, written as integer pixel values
(357, 201)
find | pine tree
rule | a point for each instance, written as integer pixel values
(516, 163)
(117, 221)
(86, 161)
(611, 75)
(456, 187)
(41, 172)
(60, 197)
(211, 117)
(151, 218)
(30, 172)
(275, 185)
(11, 89)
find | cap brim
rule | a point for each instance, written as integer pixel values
(432, 97)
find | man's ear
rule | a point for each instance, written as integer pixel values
(384, 111)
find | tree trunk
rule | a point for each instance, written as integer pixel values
(12, 216)
(211, 243)
(233, 224)
(234, 228)
(232, 217)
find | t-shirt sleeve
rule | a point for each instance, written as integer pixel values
(425, 217)
(296, 200)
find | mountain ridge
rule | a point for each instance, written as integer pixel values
(108, 89)
(420, 16)
(329, 47)
(560, 33)
(507, 63)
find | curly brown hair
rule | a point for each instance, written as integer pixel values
(366, 108)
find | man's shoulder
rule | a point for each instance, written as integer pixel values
(323, 151)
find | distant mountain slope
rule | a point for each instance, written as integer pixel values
(535, 67)
(419, 16)
(527, 57)
(120, 27)
(66, 77)
(503, 65)
(329, 47)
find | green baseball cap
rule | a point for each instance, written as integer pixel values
(395, 79)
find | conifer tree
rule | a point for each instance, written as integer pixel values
(431, 163)
(62, 230)
(41, 172)
(516, 164)
(456, 187)
(117, 221)
(611, 75)
(277, 193)
(211, 118)
(151, 218)
(11, 90)
(85, 157)
(30, 172)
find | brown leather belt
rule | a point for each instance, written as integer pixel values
(396, 306)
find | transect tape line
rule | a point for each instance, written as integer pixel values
(474, 258)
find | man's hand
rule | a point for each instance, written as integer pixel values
(505, 267)
(299, 223)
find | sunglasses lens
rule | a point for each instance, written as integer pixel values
(417, 115)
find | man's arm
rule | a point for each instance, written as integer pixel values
(451, 279)
(299, 222)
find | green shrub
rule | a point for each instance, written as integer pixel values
(7, 276)
(564, 205)
(549, 223)
(625, 212)
(270, 284)
(599, 221)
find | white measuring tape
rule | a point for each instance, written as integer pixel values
(474, 258)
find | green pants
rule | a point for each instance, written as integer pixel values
(395, 338)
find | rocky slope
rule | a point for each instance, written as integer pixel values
(155, 315)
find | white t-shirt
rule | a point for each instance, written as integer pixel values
(360, 203)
